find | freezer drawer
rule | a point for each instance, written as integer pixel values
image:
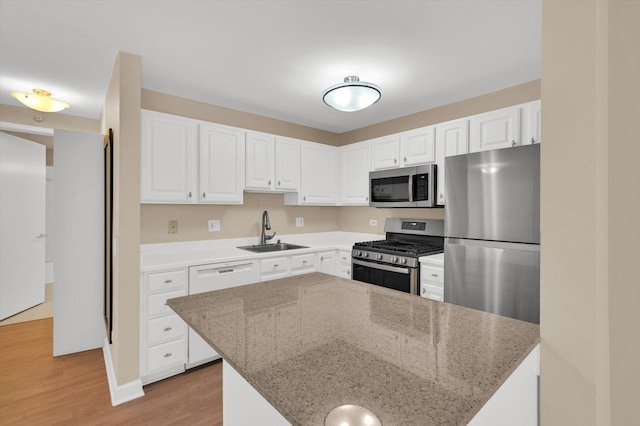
(502, 278)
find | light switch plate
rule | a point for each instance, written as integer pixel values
(299, 221)
(214, 225)
(373, 222)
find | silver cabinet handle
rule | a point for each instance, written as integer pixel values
(395, 161)
(434, 275)
(278, 183)
(189, 194)
(168, 281)
(167, 355)
(269, 183)
(204, 195)
(533, 141)
(366, 198)
(348, 271)
(441, 196)
(405, 159)
(304, 261)
(275, 265)
(167, 329)
(513, 142)
(321, 258)
(304, 198)
(41, 235)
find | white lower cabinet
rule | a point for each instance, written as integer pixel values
(163, 342)
(277, 267)
(326, 262)
(343, 264)
(303, 264)
(432, 277)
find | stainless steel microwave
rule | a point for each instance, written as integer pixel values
(404, 187)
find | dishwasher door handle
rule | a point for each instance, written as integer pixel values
(209, 271)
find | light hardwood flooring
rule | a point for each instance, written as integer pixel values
(38, 389)
(43, 310)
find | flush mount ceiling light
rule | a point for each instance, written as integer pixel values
(352, 95)
(40, 100)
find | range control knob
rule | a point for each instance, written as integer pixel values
(394, 259)
(365, 254)
(358, 252)
(379, 257)
(403, 260)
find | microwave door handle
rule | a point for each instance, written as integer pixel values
(410, 189)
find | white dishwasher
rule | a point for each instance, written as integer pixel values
(216, 276)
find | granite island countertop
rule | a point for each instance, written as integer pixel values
(312, 342)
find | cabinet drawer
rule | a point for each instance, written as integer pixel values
(166, 355)
(344, 271)
(156, 302)
(165, 328)
(344, 258)
(430, 273)
(167, 280)
(432, 292)
(277, 267)
(303, 263)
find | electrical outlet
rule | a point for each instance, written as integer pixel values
(299, 221)
(173, 226)
(373, 222)
(214, 225)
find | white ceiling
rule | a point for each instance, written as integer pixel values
(273, 58)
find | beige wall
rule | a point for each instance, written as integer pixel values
(236, 221)
(50, 120)
(169, 104)
(122, 114)
(503, 98)
(590, 272)
(356, 219)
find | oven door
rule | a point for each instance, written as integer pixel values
(399, 278)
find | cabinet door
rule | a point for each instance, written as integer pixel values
(452, 138)
(260, 150)
(533, 134)
(221, 164)
(385, 152)
(355, 161)
(318, 170)
(168, 165)
(326, 262)
(287, 176)
(418, 146)
(495, 129)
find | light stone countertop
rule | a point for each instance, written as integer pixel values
(312, 342)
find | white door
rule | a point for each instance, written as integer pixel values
(287, 164)
(78, 293)
(385, 152)
(495, 129)
(452, 139)
(22, 224)
(221, 164)
(259, 149)
(355, 163)
(418, 146)
(318, 173)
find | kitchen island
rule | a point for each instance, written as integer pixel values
(310, 343)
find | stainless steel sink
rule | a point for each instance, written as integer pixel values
(267, 248)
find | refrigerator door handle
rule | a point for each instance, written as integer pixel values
(493, 244)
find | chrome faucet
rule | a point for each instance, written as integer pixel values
(265, 226)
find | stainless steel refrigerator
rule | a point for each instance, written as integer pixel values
(492, 231)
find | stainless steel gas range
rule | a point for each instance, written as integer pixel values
(393, 262)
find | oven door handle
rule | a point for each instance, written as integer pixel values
(381, 266)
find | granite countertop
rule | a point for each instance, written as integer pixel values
(313, 342)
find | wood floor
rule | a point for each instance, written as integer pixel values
(38, 389)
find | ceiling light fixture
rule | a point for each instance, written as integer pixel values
(40, 100)
(352, 95)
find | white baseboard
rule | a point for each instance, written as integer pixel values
(123, 393)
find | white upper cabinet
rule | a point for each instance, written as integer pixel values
(272, 163)
(318, 175)
(385, 152)
(452, 138)
(355, 162)
(417, 146)
(168, 162)
(260, 151)
(532, 132)
(221, 164)
(495, 129)
(287, 177)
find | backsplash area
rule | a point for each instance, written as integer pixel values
(244, 220)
